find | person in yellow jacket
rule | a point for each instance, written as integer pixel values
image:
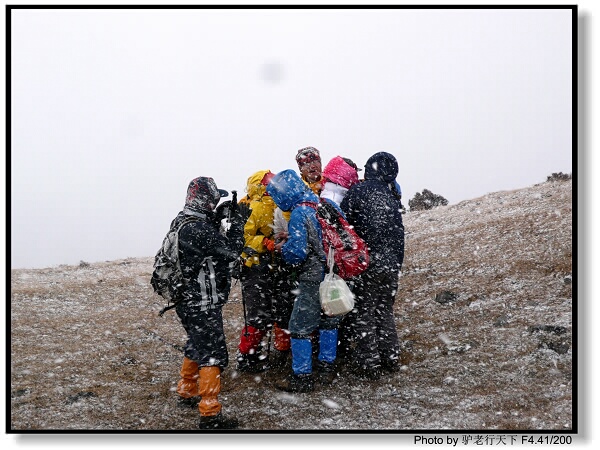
(256, 276)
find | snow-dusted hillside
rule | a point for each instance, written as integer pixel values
(484, 312)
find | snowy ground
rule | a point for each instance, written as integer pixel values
(88, 351)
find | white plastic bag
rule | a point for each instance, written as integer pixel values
(336, 297)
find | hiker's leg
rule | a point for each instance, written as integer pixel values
(366, 355)
(387, 335)
(206, 338)
(187, 387)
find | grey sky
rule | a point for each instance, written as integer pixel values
(114, 112)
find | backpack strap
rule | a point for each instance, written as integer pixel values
(187, 220)
(314, 242)
(166, 308)
(313, 205)
(313, 237)
(177, 302)
(178, 228)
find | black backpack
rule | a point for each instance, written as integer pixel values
(167, 277)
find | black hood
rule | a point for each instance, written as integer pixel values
(381, 166)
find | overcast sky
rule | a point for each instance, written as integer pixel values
(113, 112)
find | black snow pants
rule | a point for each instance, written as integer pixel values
(371, 329)
(206, 338)
(257, 290)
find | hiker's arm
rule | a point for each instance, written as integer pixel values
(235, 234)
(200, 241)
(295, 249)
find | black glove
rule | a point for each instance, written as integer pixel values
(234, 201)
(222, 211)
(236, 269)
(236, 226)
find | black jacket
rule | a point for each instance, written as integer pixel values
(205, 256)
(373, 207)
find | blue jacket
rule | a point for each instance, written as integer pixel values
(373, 207)
(304, 246)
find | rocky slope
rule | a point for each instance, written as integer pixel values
(484, 313)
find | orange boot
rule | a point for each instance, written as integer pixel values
(187, 388)
(282, 338)
(209, 387)
(281, 356)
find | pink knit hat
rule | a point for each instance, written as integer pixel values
(338, 171)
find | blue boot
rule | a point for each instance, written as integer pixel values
(301, 356)
(327, 353)
(328, 340)
(301, 379)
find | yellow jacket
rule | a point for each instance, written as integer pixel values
(315, 186)
(260, 223)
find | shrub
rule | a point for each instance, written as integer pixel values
(426, 200)
(559, 177)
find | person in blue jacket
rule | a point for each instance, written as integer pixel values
(303, 248)
(373, 207)
(399, 191)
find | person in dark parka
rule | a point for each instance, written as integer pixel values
(205, 256)
(373, 207)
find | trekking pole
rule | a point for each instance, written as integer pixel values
(269, 333)
(274, 267)
(234, 205)
(246, 333)
(161, 339)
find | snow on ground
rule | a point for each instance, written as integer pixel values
(484, 313)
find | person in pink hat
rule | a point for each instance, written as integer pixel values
(339, 175)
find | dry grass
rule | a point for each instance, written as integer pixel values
(88, 351)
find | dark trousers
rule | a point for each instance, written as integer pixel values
(370, 329)
(284, 285)
(206, 338)
(257, 291)
(307, 315)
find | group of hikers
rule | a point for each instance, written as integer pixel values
(274, 235)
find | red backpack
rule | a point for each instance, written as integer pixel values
(351, 256)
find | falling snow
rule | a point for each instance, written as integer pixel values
(89, 352)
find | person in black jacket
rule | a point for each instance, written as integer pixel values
(205, 256)
(373, 207)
